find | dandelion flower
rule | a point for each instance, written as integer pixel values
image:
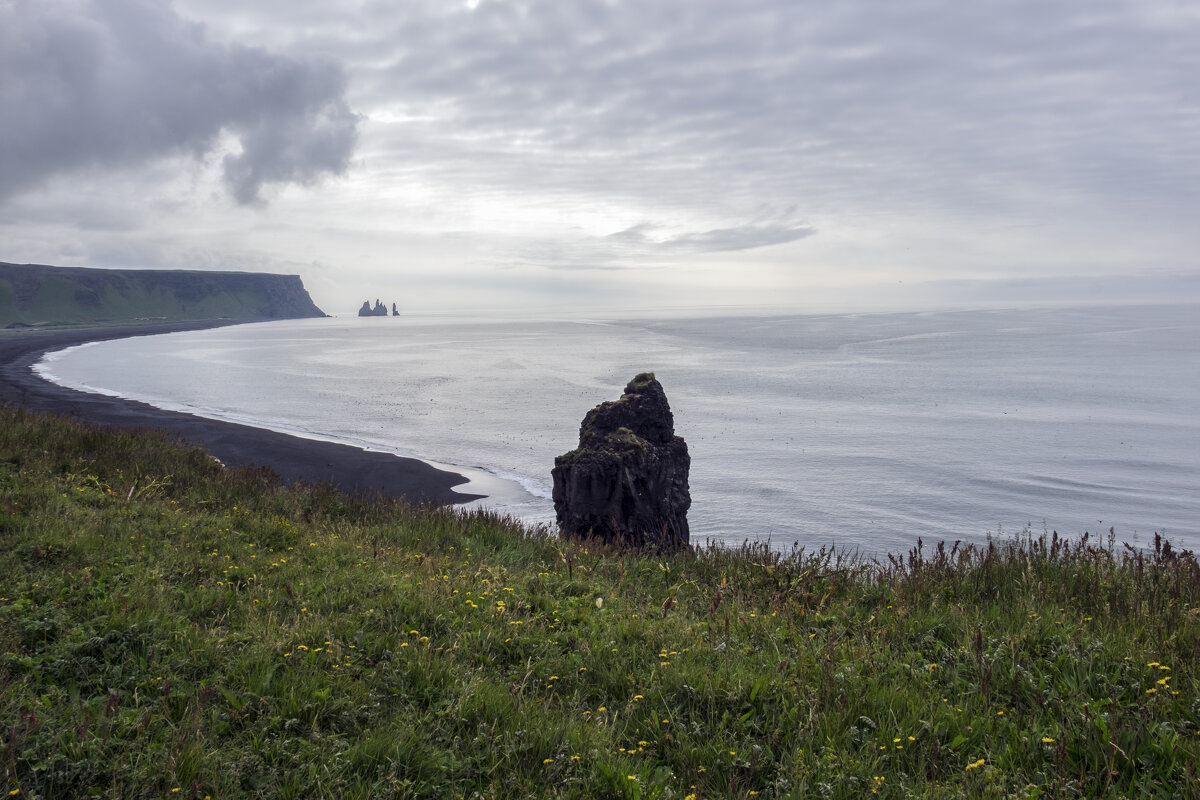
(1047, 740)
(976, 764)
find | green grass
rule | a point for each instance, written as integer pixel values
(172, 629)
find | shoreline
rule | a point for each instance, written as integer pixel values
(292, 458)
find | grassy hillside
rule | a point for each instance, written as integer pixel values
(32, 294)
(171, 629)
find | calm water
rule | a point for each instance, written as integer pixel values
(862, 431)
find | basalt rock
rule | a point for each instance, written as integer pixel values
(627, 482)
(379, 309)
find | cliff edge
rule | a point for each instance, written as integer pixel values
(39, 294)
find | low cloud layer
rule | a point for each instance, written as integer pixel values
(106, 84)
(942, 106)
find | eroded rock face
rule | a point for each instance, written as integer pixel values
(627, 482)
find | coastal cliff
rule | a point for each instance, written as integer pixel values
(39, 294)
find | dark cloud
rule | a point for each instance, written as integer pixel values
(115, 83)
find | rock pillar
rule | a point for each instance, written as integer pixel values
(627, 482)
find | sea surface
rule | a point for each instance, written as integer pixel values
(864, 432)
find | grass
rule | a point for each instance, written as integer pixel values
(172, 629)
(44, 296)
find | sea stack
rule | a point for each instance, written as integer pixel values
(379, 309)
(627, 482)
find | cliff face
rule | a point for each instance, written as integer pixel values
(33, 294)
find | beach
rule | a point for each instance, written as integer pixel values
(293, 458)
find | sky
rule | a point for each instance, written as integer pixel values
(592, 155)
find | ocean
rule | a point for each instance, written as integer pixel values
(863, 432)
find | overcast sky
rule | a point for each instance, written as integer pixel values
(605, 154)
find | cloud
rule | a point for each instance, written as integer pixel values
(935, 107)
(112, 84)
(746, 237)
(924, 139)
(645, 246)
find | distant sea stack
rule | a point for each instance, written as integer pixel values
(378, 310)
(627, 482)
(39, 294)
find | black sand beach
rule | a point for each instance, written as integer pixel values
(293, 458)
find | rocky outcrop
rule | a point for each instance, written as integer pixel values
(379, 310)
(627, 482)
(39, 294)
